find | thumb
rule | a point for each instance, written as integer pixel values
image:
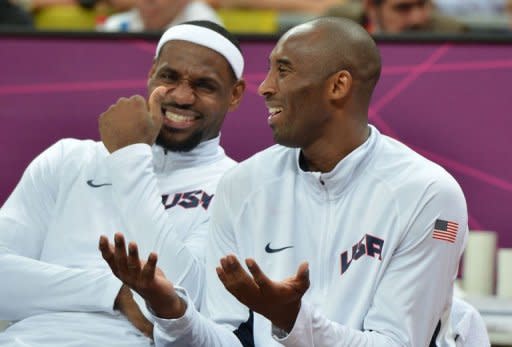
(154, 102)
(303, 276)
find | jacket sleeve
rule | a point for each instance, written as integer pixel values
(415, 291)
(221, 314)
(139, 200)
(31, 286)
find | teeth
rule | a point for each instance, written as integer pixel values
(273, 110)
(177, 117)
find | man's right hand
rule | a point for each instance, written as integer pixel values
(143, 277)
(132, 120)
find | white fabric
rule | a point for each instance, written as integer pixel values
(381, 191)
(460, 8)
(207, 38)
(468, 325)
(55, 283)
(130, 21)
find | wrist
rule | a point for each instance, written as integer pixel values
(286, 322)
(171, 309)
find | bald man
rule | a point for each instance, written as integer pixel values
(349, 238)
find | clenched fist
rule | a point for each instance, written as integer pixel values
(132, 120)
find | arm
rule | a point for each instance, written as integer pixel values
(416, 288)
(127, 130)
(177, 322)
(31, 286)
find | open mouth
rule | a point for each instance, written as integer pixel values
(178, 121)
(273, 111)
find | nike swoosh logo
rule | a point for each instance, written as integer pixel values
(275, 250)
(94, 185)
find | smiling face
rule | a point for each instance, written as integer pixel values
(201, 90)
(295, 91)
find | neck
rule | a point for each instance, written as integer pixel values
(326, 153)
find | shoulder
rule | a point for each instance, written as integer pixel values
(446, 24)
(266, 166)
(406, 173)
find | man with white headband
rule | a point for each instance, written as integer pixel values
(153, 176)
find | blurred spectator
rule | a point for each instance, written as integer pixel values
(71, 14)
(479, 14)
(306, 6)
(157, 15)
(36, 5)
(12, 15)
(397, 16)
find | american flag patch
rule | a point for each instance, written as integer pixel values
(445, 230)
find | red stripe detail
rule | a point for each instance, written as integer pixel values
(445, 232)
(444, 238)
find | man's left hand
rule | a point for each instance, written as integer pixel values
(277, 301)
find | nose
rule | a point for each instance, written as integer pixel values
(182, 93)
(267, 86)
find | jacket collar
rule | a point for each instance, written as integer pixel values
(205, 153)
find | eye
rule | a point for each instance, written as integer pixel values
(168, 76)
(205, 86)
(282, 70)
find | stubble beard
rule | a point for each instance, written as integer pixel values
(179, 146)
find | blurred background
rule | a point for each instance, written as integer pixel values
(444, 91)
(257, 16)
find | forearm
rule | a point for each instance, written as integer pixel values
(192, 330)
(313, 329)
(33, 287)
(136, 192)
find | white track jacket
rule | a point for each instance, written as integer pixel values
(54, 281)
(382, 232)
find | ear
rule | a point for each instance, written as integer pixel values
(341, 85)
(236, 96)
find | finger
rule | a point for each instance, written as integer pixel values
(259, 277)
(302, 277)
(155, 101)
(236, 279)
(120, 255)
(231, 266)
(133, 261)
(148, 271)
(221, 275)
(107, 252)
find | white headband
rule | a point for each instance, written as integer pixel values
(208, 38)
